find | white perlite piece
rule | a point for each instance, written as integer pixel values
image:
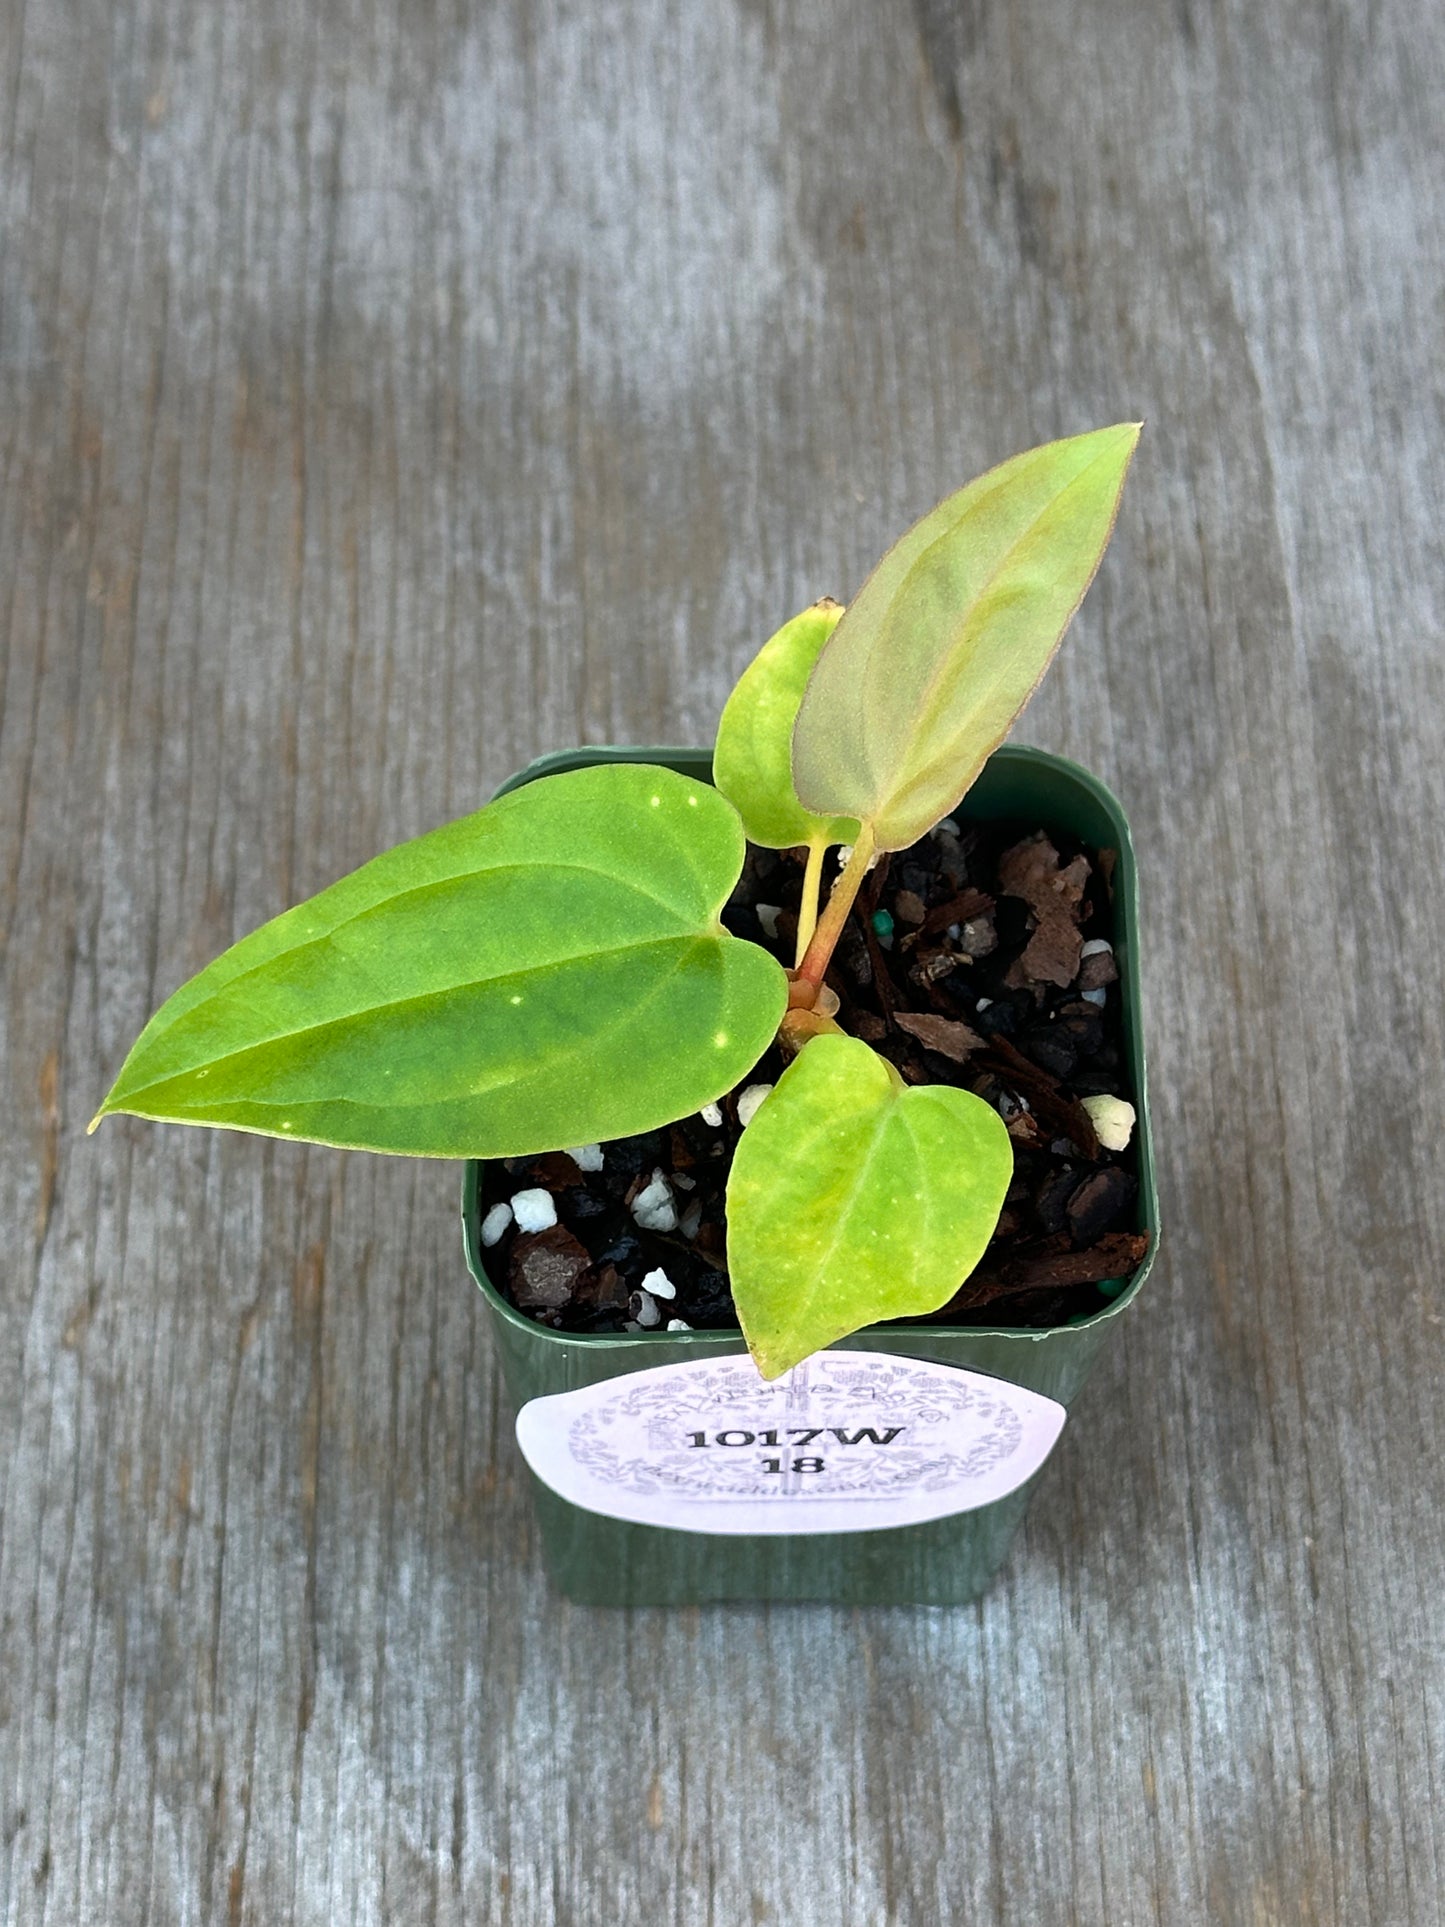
(648, 1315)
(678, 1325)
(1113, 1121)
(751, 1101)
(711, 1114)
(768, 914)
(655, 1208)
(845, 857)
(1098, 998)
(659, 1284)
(1095, 947)
(495, 1223)
(534, 1210)
(587, 1157)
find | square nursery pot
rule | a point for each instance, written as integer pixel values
(603, 1560)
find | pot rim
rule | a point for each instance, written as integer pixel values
(1126, 886)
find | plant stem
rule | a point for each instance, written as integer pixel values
(799, 1027)
(808, 908)
(830, 925)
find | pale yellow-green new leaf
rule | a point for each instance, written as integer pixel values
(752, 760)
(949, 636)
(855, 1198)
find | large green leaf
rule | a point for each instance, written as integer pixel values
(752, 761)
(854, 1197)
(546, 972)
(947, 639)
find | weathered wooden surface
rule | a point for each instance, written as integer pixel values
(391, 393)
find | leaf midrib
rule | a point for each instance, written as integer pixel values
(892, 1102)
(689, 938)
(314, 940)
(356, 1105)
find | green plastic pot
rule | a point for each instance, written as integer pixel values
(606, 1562)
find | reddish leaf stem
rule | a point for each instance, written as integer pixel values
(819, 953)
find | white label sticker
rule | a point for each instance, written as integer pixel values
(848, 1442)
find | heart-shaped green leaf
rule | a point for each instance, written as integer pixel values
(855, 1197)
(752, 763)
(549, 971)
(947, 639)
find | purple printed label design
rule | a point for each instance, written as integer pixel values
(851, 1441)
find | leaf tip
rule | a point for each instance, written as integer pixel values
(771, 1369)
(768, 1349)
(1124, 433)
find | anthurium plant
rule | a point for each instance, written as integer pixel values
(553, 971)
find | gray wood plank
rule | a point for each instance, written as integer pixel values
(390, 393)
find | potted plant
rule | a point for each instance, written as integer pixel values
(547, 986)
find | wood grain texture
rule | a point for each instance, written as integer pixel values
(389, 393)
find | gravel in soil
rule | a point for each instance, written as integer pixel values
(982, 957)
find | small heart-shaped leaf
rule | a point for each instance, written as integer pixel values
(947, 639)
(752, 763)
(548, 971)
(854, 1198)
